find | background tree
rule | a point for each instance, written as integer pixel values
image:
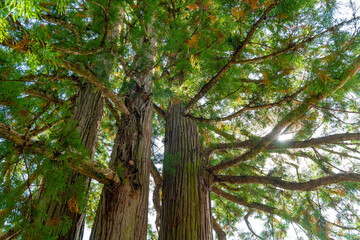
(245, 73)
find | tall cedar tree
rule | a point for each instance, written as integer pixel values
(88, 109)
(226, 79)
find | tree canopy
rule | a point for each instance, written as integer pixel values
(272, 87)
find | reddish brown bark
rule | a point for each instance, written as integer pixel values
(87, 115)
(123, 207)
(186, 208)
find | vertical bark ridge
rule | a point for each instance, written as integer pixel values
(87, 115)
(122, 210)
(185, 212)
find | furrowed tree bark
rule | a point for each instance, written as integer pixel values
(123, 207)
(87, 116)
(186, 207)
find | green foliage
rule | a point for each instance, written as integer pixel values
(3, 28)
(56, 227)
(152, 235)
(92, 203)
(291, 57)
(32, 9)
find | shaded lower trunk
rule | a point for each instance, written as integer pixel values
(87, 115)
(186, 207)
(122, 210)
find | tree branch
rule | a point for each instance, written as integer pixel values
(329, 109)
(97, 82)
(340, 153)
(310, 185)
(44, 95)
(246, 108)
(155, 174)
(156, 201)
(20, 191)
(106, 12)
(13, 136)
(258, 206)
(249, 204)
(156, 194)
(291, 117)
(92, 169)
(220, 132)
(79, 52)
(96, 171)
(37, 130)
(243, 202)
(113, 111)
(32, 78)
(231, 62)
(159, 110)
(295, 46)
(84, 73)
(123, 63)
(11, 234)
(219, 232)
(73, 29)
(246, 218)
(313, 142)
(58, 21)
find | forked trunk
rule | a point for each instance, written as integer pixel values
(87, 115)
(122, 210)
(186, 207)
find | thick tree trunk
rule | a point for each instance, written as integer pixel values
(186, 207)
(87, 115)
(122, 210)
